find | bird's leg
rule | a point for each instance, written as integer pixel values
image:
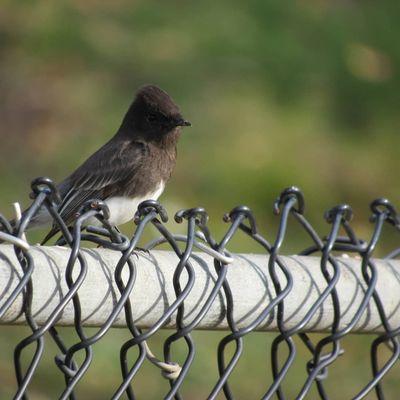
(143, 250)
(114, 234)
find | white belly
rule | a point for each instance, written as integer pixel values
(123, 209)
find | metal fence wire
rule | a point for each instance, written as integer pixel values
(74, 361)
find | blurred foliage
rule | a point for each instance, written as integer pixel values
(279, 93)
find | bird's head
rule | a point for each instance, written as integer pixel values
(153, 114)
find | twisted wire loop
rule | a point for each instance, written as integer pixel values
(74, 360)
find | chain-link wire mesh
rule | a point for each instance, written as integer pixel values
(75, 360)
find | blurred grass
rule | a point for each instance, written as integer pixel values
(279, 93)
(250, 378)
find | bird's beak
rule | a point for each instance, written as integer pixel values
(182, 122)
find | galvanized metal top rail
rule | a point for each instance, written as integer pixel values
(153, 292)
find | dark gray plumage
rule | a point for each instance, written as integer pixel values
(133, 166)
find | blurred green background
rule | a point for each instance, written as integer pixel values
(278, 92)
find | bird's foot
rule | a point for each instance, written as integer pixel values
(141, 250)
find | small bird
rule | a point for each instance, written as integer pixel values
(133, 166)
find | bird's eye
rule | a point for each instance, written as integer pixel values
(152, 117)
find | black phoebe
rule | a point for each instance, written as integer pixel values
(131, 167)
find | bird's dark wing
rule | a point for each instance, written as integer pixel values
(101, 176)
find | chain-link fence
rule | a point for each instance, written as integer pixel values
(334, 286)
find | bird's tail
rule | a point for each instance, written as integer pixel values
(54, 230)
(6, 229)
(9, 227)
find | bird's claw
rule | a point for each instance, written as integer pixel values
(141, 249)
